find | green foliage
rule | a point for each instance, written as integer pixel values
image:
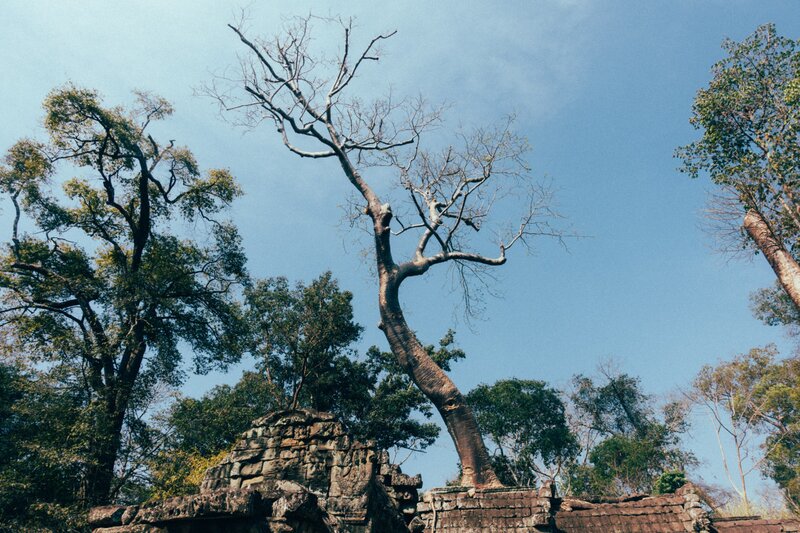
(98, 280)
(626, 447)
(42, 445)
(526, 423)
(749, 116)
(176, 472)
(303, 339)
(303, 335)
(669, 482)
(755, 397)
(774, 307)
(778, 401)
(212, 423)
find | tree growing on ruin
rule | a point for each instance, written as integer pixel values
(95, 278)
(749, 116)
(447, 199)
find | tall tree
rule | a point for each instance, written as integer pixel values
(447, 195)
(750, 119)
(101, 280)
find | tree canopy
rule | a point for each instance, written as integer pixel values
(749, 116)
(96, 277)
(527, 425)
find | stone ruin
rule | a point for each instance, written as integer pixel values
(299, 472)
(293, 471)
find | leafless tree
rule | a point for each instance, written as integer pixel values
(446, 196)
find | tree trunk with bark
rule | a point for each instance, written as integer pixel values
(436, 385)
(783, 264)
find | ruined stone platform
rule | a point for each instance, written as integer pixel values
(299, 472)
(293, 471)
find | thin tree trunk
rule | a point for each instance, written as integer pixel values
(786, 268)
(476, 468)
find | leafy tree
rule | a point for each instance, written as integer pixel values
(625, 447)
(750, 119)
(754, 400)
(527, 425)
(42, 446)
(212, 423)
(101, 284)
(445, 196)
(304, 336)
(747, 397)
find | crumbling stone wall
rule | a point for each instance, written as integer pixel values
(313, 450)
(293, 471)
(512, 510)
(299, 472)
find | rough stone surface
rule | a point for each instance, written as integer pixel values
(681, 511)
(294, 471)
(755, 525)
(299, 472)
(461, 509)
(107, 515)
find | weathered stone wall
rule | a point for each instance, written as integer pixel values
(299, 472)
(292, 471)
(512, 510)
(313, 449)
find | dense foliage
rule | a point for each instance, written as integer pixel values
(96, 283)
(527, 425)
(303, 341)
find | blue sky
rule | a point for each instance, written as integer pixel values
(602, 90)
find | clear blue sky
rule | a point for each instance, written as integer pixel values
(603, 90)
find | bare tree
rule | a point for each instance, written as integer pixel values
(447, 196)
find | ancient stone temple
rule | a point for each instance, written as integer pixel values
(295, 471)
(299, 472)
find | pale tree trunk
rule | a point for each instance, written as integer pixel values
(786, 268)
(435, 384)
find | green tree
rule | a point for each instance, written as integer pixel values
(625, 446)
(778, 400)
(749, 116)
(101, 282)
(43, 434)
(303, 338)
(754, 400)
(527, 425)
(732, 393)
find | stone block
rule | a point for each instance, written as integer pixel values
(107, 515)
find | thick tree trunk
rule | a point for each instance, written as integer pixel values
(476, 468)
(786, 268)
(102, 456)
